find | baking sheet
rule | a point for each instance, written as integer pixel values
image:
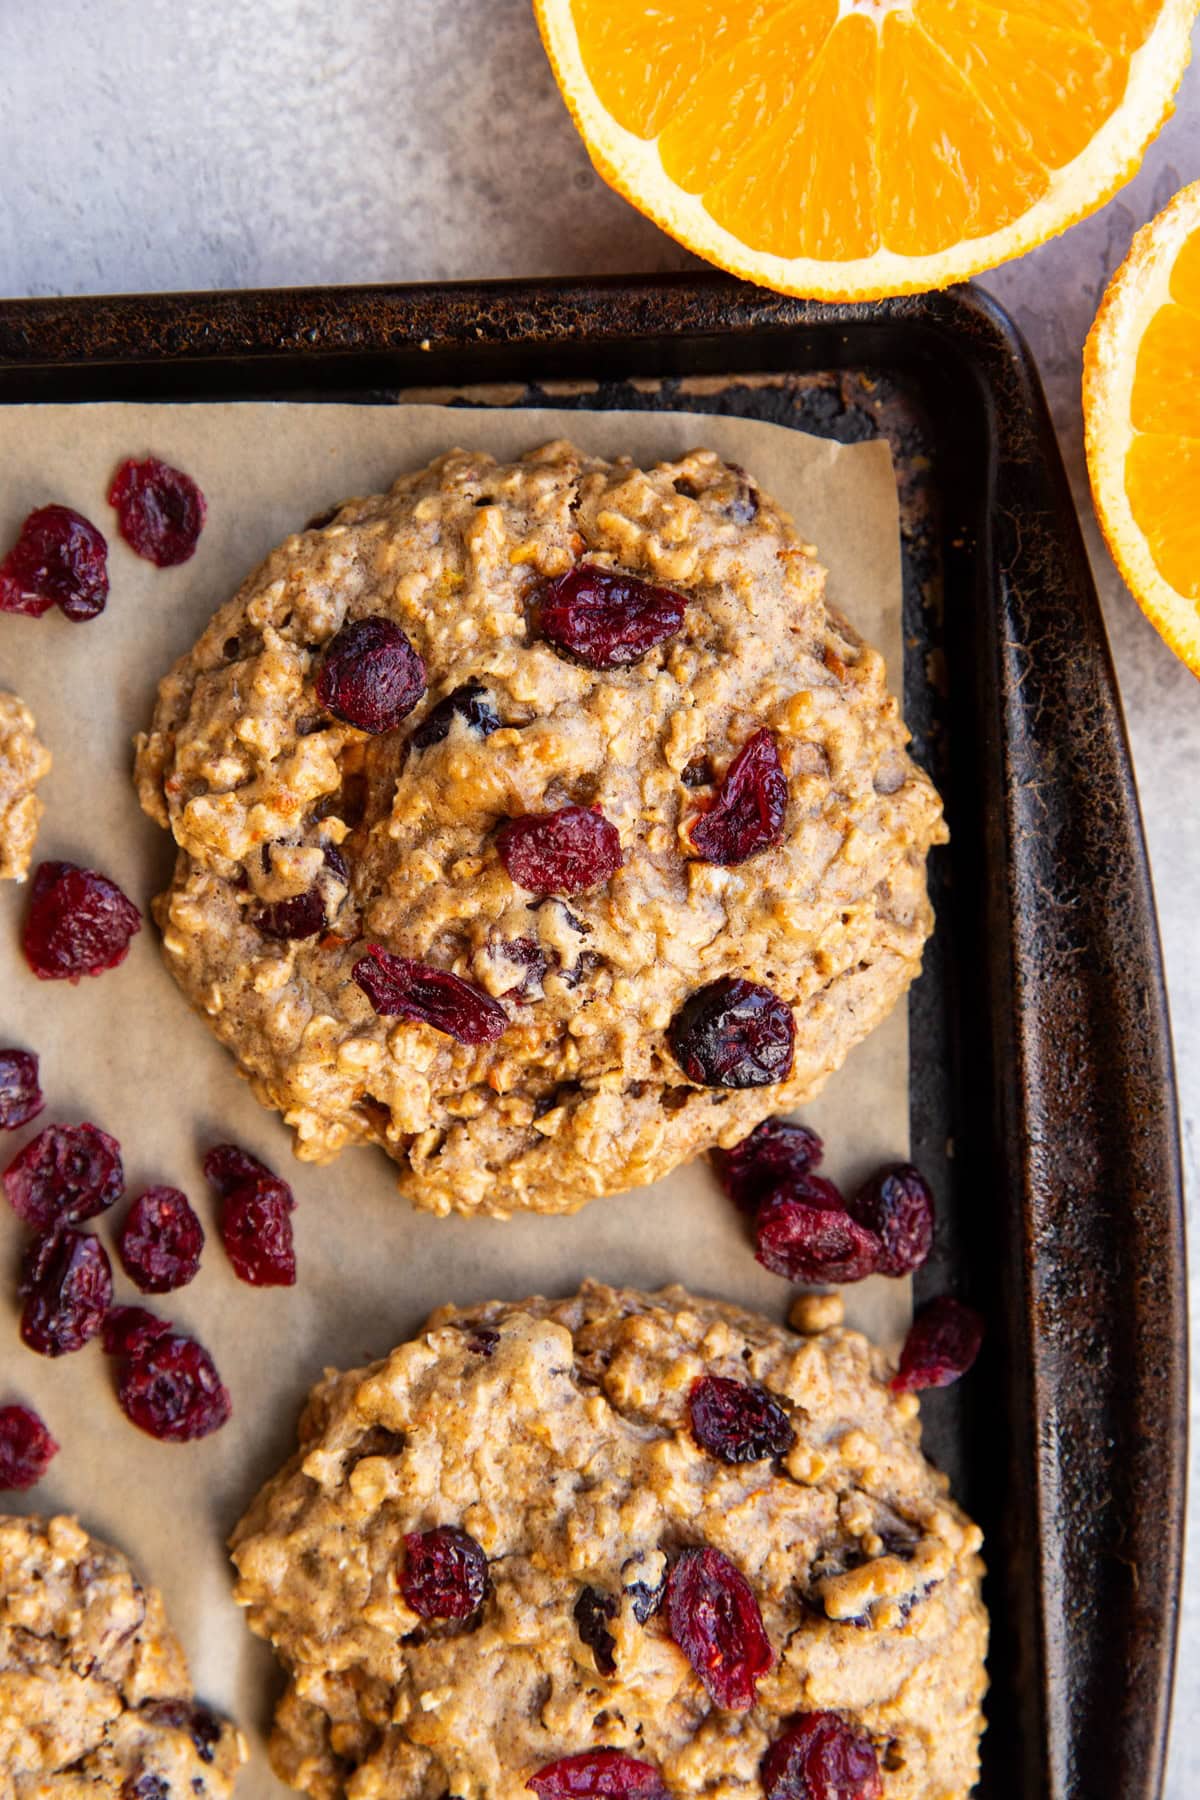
(124, 1050)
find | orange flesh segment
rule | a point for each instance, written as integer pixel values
(1162, 479)
(1120, 25)
(1049, 92)
(1166, 382)
(742, 95)
(643, 61)
(948, 172)
(1185, 276)
(808, 187)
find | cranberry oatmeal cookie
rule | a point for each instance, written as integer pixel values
(546, 1541)
(94, 1689)
(24, 760)
(540, 823)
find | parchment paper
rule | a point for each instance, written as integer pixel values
(125, 1051)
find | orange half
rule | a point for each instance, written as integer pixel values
(1141, 409)
(845, 149)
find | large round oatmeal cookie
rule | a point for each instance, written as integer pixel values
(563, 1020)
(94, 1689)
(499, 1547)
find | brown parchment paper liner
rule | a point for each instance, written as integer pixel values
(125, 1051)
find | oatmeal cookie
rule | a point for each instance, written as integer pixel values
(624, 792)
(94, 1689)
(24, 760)
(492, 1548)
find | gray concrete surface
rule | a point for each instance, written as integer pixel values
(148, 145)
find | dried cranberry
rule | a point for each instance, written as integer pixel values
(734, 1034)
(66, 1285)
(801, 1234)
(26, 1447)
(604, 618)
(821, 1756)
(161, 1241)
(59, 559)
(774, 1152)
(714, 1618)
(560, 852)
(598, 1775)
(397, 987)
(483, 1340)
(227, 1166)
(199, 1721)
(79, 923)
(127, 1329)
(65, 1174)
(592, 1612)
(256, 1230)
(21, 1097)
(160, 510)
(370, 675)
(748, 812)
(469, 703)
(737, 1421)
(897, 1205)
(169, 1387)
(445, 1573)
(942, 1343)
(305, 914)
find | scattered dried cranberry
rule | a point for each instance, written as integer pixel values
(897, 1205)
(748, 812)
(199, 1721)
(227, 1166)
(821, 1756)
(160, 510)
(775, 1152)
(128, 1329)
(804, 1232)
(734, 1034)
(560, 852)
(59, 559)
(592, 1612)
(161, 1241)
(397, 987)
(65, 1174)
(66, 1284)
(598, 1775)
(26, 1447)
(942, 1343)
(21, 1097)
(445, 1573)
(169, 1387)
(469, 703)
(370, 675)
(714, 1618)
(79, 923)
(737, 1421)
(256, 1230)
(605, 618)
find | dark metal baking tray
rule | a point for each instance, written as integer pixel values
(1042, 1093)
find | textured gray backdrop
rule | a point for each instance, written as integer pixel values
(151, 145)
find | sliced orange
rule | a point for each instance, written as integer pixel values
(845, 149)
(1141, 413)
